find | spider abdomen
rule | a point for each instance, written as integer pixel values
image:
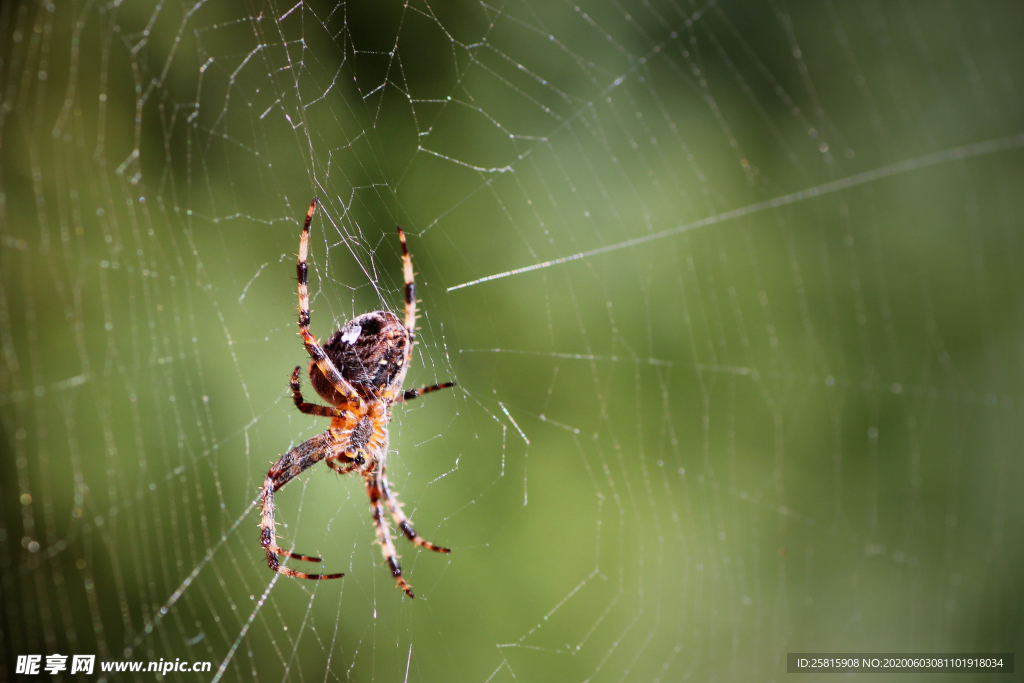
(370, 351)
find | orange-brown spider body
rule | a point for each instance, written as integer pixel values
(359, 372)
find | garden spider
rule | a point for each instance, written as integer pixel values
(359, 371)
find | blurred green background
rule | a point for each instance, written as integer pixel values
(797, 429)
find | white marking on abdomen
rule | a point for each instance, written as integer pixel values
(353, 334)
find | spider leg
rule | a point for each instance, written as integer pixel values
(410, 394)
(373, 489)
(349, 465)
(291, 464)
(410, 286)
(403, 522)
(310, 408)
(316, 352)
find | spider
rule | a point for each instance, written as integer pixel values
(359, 372)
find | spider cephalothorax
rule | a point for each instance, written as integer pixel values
(359, 371)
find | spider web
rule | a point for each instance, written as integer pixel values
(732, 292)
